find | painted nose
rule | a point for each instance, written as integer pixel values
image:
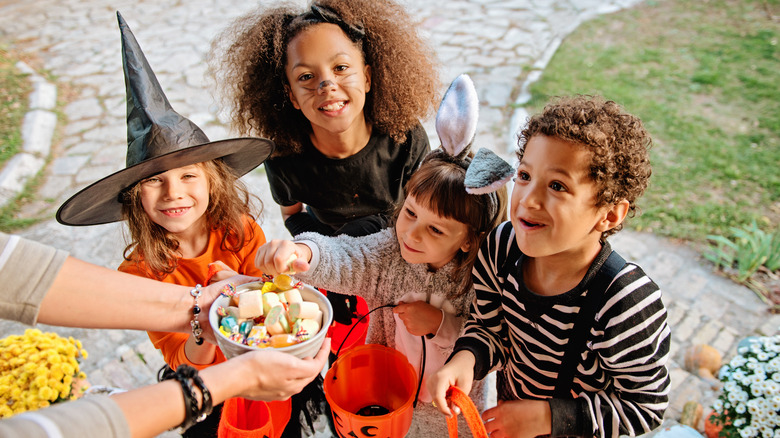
(326, 86)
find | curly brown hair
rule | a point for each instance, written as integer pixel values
(230, 204)
(438, 184)
(618, 142)
(248, 61)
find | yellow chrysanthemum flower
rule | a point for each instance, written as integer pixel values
(44, 393)
(57, 373)
(68, 369)
(41, 381)
(36, 369)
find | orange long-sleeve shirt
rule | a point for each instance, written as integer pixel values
(190, 272)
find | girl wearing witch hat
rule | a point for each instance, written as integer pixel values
(184, 205)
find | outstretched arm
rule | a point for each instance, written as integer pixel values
(243, 376)
(43, 284)
(91, 296)
(138, 413)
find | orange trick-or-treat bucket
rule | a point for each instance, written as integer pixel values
(370, 389)
(242, 418)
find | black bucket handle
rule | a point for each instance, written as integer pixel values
(422, 338)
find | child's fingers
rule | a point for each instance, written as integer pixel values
(299, 265)
(283, 259)
(437, 386)
(267, 258)
(440, 403)
(260, 261)
(222, 275)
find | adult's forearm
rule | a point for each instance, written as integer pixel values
(91, 296)
(152, 409)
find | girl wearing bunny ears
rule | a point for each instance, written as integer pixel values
(423, 264)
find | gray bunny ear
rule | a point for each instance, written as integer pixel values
(487, 173)
(456, 120)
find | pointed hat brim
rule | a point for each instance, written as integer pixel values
(159, 140)
(99, 202)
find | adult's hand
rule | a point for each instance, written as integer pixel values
(208, 295)
(265, 374)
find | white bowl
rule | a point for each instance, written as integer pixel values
(307, 348)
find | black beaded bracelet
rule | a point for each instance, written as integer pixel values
(197, 331)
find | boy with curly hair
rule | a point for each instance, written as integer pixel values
(579, 337)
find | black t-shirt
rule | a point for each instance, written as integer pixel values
(338, 191)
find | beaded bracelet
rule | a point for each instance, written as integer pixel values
(195, 324)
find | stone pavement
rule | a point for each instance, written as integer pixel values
(503, 44)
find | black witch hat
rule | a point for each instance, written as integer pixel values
(158, 140)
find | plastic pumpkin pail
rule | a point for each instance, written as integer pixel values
(376, 381)
(243, 418)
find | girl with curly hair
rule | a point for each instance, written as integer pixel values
(340, 87)
(579, 338)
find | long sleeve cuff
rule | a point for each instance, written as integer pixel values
(315, 253)
(570, 417)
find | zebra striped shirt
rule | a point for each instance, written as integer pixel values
(621, 384)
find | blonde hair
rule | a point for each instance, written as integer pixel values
(229, 204)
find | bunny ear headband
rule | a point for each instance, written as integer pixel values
(456, 125)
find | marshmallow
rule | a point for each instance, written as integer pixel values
(250, 304)
(289, 263)
(293, 296)
(276, 322)
(310, 326)
(303, 310)
(270, 299)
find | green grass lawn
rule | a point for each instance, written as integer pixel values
(14, 89)
(704, 76)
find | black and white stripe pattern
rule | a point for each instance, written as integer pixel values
(622, 375)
